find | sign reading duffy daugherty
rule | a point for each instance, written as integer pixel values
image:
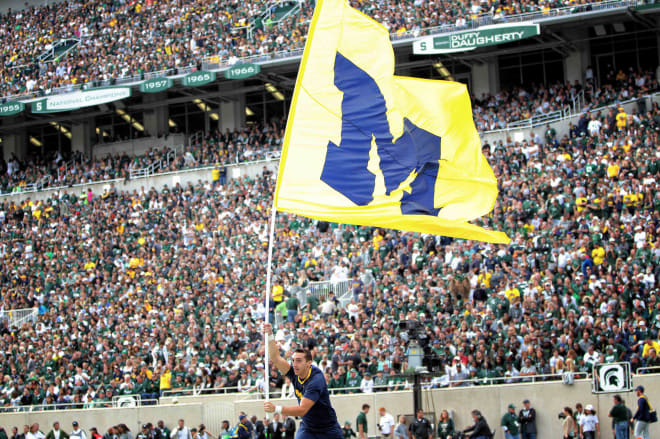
(473, 39)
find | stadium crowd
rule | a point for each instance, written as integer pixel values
(248, 144)
(256, 142)
(493, 112)
(148, 291)
(125, 39)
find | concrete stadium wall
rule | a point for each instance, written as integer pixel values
(547, 398)
(138, 146)
(103, 418)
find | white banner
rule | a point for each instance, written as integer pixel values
(80, 99)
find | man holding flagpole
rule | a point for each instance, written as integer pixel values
(319, 419)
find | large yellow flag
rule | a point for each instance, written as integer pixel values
(364, 146)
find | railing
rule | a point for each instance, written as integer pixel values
(17, 317)
(119, 180)
(196, 392)
(444, 381)
(215, 62)
(156, 166)
(73, 406)
(322, 290)
(578, 106)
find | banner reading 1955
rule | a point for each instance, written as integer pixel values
(473, 39)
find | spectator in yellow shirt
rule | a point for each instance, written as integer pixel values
(648, 345)
(613, 170)
(621, 119)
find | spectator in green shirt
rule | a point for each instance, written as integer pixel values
(361, 422)
(510, 423)
(620, 418)
(292, 305)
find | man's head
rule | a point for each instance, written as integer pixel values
(512, 408)
(276, 417)
(75, 425)
(56, 425)
(161, 424)
(302, 361)
(527, 404)
(402, 420)
(639, 390)
(420, 414)
(365, 408)
(617, 399)
(382, 411)
(180, 423)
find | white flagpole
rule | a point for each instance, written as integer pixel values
(271, 236)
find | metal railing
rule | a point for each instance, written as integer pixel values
(156, 166)
(72, 406)
(119, 180)
(579, 106)
(441, 381)
(192, 392)
(216, 62)
(322, 289)
(17, 317)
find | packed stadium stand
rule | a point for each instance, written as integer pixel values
(157, 291)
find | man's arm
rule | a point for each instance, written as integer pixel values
(274, 352)
(360, 431)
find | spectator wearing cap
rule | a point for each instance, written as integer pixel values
(367, 384)
(510, 423)
(77, 433)
(348, 431)
(353, 382)
(527, 418)
(643, 415)
(57, 432)
(241, 431)
(588, 424)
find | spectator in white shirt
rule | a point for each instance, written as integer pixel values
(386, 423)
(35, 433)
(77, 432)
(181, 432)
(367, 384)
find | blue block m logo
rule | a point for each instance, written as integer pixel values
(364, 119)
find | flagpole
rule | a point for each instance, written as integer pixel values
(271, 238)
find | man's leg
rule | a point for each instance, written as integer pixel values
(641, 428)
(620, 430)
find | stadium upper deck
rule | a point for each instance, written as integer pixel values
(52, 48)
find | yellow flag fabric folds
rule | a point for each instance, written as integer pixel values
(366, 147)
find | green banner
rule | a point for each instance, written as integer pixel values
(473, 39)
(80, 99)
(198, 78)
(155, 85)
(242, 71)
(11, 108)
